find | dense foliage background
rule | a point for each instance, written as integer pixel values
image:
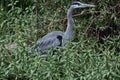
(23, 22)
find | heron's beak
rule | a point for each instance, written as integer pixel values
(88, 5)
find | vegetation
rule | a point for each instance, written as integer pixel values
(84, 58)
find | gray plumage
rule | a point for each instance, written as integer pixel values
(58, 38)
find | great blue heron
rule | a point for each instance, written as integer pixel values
(57, 38)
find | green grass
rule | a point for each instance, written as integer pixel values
(82, 59)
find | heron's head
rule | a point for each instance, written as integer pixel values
(77, 4)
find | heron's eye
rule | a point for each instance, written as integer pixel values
(76, 4)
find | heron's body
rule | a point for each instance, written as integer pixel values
(50, 40)
(57, 38)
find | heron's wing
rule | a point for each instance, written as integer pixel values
(46, 43)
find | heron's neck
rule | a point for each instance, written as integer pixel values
(70, 22)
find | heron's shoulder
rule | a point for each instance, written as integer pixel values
(53, 34)
(56, 33)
